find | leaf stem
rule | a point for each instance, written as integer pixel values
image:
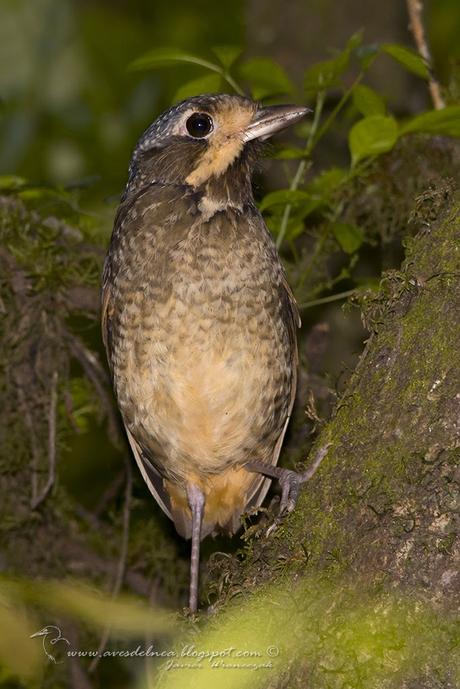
(326, 300)
(231, 81)
(314, 136)
(146, 61)
(329, 120)
(301, 167)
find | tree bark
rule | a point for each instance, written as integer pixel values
(381, 512)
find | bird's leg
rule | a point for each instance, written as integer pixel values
(290, 481)
(196, 501)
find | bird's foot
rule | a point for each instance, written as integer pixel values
(290, 481)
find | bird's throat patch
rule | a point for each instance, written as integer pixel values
(224, 146)
(215, 161)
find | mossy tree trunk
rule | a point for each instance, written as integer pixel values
(383, 506)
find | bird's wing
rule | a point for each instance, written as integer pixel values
(107, 274)
(150, 474)
(106, 310)
(292, 320)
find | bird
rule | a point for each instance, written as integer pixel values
(50, 635)
(198, 320)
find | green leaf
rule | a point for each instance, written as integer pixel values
(161, 57)
(366, 54)
(327, 182)
(287, 153)
(323, 75)
(354, 42)
(36, 193)
(411, 60)
(350, 237)
(84, 406)
(294, 227)
(372, 136)
(12, 182)
(284, 196)
(227, 54)
(125, 614)
(266, 78)
(211, 83)
(367, 101)
(444, 122)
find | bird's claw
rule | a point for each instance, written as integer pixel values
(290, 485)
(290, 482)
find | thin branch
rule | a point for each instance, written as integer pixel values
(316, 132)
(121, 563)
(110, 493)
(23, 404)
(320, 455)
(81, 560)
(415, 10)
(78, 677)
(51, 444)
(98, 377)
(326, 300)
(301, 167)
(230, 80)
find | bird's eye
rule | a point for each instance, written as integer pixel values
(199, 125)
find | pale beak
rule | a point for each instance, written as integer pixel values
(42, 632)
(272, 119)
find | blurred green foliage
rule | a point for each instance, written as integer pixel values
(70, 109)
(333, 633)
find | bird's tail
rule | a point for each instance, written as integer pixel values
(227, 496)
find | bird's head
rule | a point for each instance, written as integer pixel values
(209, 143)
(50, 629)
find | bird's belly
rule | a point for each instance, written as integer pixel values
(203, 393)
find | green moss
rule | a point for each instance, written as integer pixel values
(380, 506)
